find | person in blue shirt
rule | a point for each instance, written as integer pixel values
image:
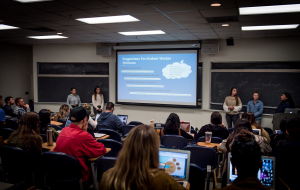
(2, 114)
(110, 119)
(286, 102)
(256, 106)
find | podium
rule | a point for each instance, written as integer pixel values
(277, 117)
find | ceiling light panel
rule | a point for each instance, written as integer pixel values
(47, 37)
(7, 27)
(270, 27)
(31, 1)
(108, 19)
(270, 9)
(136, 33)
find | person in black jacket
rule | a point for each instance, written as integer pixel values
(172, 127)
(286, 102)
(216, 127)
(7, 108)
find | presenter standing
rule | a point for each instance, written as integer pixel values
(286, 102)
(232, 105)
(256, 106)
(98, 100)
(73, 99)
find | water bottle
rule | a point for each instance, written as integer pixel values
(49, 135)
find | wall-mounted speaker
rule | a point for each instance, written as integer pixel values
(230, 42)
(103, 50)
(210, 49)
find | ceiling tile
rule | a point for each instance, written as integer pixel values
(21, 9)
(256, 17)
(88, 4)
(75, 14)
(219, 25)
(243, 3)
(69, 22)
(21, 18)
(48, 16)
(219, 12)
(195, 30)
(52, 6)
(45, 23)
(175, 6)
(206, 4)
(164, 1)
(205, 34)
(118, 3)
(226, 29)
(147, 17)
(138, 9)
(192, 21)
(105, 12)
(184, 15)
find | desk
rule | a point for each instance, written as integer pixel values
(55, 123)
(210, 145)
(104, 137)
(5, 141)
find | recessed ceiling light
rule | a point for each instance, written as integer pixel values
(31, 1)
(270, 27)
(59, 33)
(108, 19)
(7, 27)
(225, 24)
(270, 9)
(47, 37)
(215, 4)
(149, 32)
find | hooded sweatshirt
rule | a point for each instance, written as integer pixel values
(217, 131)
(110, 119)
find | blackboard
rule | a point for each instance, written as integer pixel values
(270, 85)
(57, 89)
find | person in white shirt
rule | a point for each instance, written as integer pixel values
(97, 100)
(90, 120)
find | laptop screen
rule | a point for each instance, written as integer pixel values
(265, 175)
(256, 131)
(175, 163)
(123, 118)
(186, 126)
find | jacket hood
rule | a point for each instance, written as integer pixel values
(105, 115)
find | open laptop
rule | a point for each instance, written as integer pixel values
(266, 175)
(256, 131)
(186, 126)
(123, 118)
(176, 163)
(278, 131)
(291, 110)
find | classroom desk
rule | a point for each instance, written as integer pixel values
(55, 123)
(210, 145)
(104, 137)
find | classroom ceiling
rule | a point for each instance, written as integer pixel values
(182, 20)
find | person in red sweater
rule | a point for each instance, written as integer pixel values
(76, 141)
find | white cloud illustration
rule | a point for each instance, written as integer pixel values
(177, 70)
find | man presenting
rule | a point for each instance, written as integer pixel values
(256, 106)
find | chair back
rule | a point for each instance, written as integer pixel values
(114, 145)
(100, 126)
(63, 121)
(126, 129)
(44, 137)
(12, 124)
(135, 123)
(269, 130)
(112, 134)
(230, 130)
(6, 132)
(203, 156)
(196, 177)
(104, 164)
(56, 127)
(90, 130)
(161, 125)
(174, 141)
(195, 135)
(213, 139)
(16, 164)
(62, 171)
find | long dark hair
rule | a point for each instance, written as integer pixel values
(236, 96)
(95, 92)
(44, 120)
(172, 123)
(240, 124)
(251, 118)
(29, 131)
(290, 99)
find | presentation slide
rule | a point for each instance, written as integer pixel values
(157, 77)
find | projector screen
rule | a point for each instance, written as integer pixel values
(164, 77)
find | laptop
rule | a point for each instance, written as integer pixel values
(291, 110)
(278, 131)
(176, 163)
(186, 126)
(123, 118)
(266, 175)
(256, 131)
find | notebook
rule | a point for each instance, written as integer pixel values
(186, 126)
(123, 118)
(97, 135)
(266, 175)
(97, 115)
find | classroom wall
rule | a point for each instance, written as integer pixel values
(265, 49)
(16, 71)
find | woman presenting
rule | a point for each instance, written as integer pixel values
(232, 105)
(286, 102)
(98, 100)
(73, 99)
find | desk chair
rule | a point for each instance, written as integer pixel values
(213, 139)
(195, 135)
(104, 164)
(100, 126)
(174, 141)
(196, 177)
(56, 127)
(269, 130)
(135, 123)
(62, 171)
(114, 145)
(112, 134)
(12, 124)
(126, 129)
(63, 121)
(6, 132)
(202, 157)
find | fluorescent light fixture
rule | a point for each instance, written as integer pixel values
(31, 1)
(108, 19)
(269, 9)
(47, 37)
(7, 27)
(136, 33)
(59, 33)
(225, 24)
(215, 4)
(270, 27)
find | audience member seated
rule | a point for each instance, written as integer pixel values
(226, 144)
(7, 108)
(279, 138)
(216, 126)
(64, 113)
(172, 127)
(2, 114)
(76, 141)
(246, 158)
(287, 156)
(251, 118)
(110, 119)
(90, 120)
(137, 164)
(45, 121)
(21, 106)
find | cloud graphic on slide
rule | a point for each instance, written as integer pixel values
(177, 70)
